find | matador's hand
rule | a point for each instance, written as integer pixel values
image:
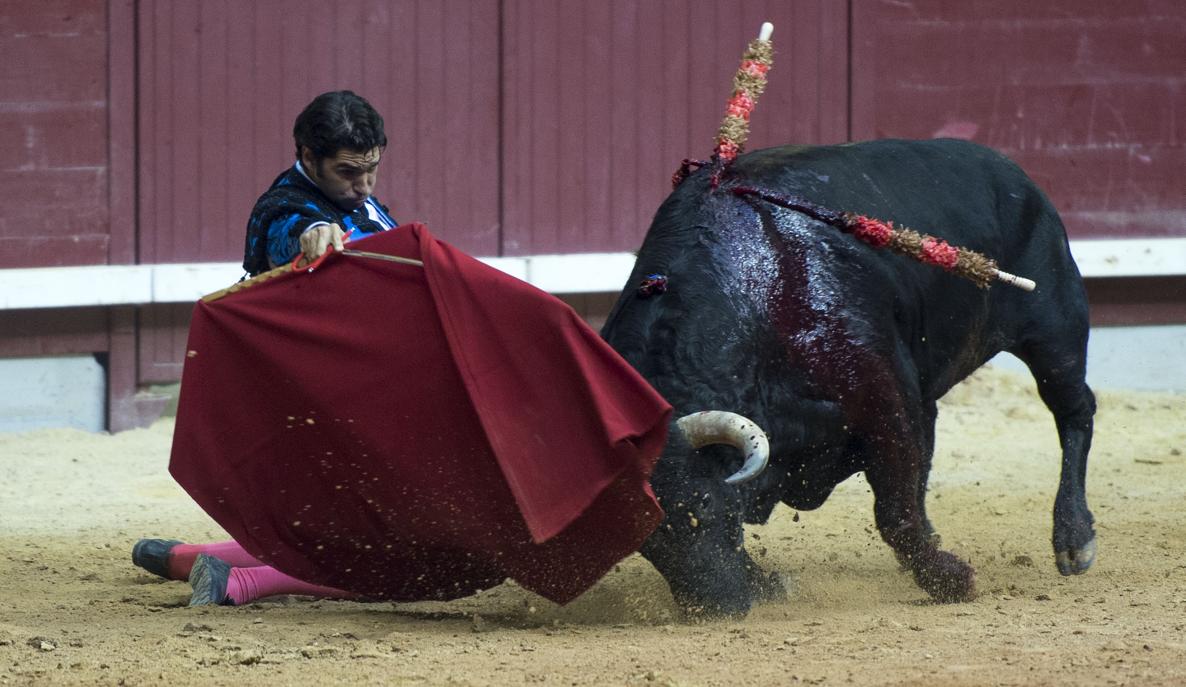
(315, 241)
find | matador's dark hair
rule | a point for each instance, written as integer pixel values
(335, 121)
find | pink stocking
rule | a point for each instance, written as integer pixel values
(248, 584)
(181, 557)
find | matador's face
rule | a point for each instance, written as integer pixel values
(347, 178)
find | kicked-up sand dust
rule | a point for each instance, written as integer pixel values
(73, 609)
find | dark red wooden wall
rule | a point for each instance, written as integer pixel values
(220, 82)
(142, 130)
(603, 99)
(54, 172)
(1088, 97)
(552, 125)
(533, 126)
(43, 161)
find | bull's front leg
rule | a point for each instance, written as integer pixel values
(902, 524)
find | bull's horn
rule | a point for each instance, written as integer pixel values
(721, 427)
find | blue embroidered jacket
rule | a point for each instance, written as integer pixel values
(291, 205)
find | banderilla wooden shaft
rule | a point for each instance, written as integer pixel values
(1014, 280)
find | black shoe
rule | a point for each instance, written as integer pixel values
(209, 578)
(153, 555)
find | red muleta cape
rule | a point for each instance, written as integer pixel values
(414, 433)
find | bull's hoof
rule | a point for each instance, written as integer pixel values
(1076, 561)
(946, 578)
(904, 561)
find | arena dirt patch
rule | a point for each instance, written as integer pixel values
(75, 611)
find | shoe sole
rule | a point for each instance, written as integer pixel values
(208, 578)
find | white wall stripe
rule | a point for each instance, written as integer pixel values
(1130, 257)
(99, 285)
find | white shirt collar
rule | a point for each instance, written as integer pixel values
(300, 168)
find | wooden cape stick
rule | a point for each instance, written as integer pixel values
(285, 269)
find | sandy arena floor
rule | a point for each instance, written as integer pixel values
(73, 609)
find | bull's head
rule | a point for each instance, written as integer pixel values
(698, 548)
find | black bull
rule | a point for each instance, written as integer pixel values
(840, 350)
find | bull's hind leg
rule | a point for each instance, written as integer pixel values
(1059, 367)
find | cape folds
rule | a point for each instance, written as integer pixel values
(416, 432)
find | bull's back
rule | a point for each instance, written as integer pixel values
(958, 191)
(710, 242)
(951, 188)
